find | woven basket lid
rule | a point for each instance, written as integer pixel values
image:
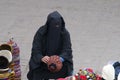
(7, 54)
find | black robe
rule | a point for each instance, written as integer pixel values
(37, 69)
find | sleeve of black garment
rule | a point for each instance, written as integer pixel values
(67, 50)
(36, 48)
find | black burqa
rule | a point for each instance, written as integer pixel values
(53, 34)
(51, 39)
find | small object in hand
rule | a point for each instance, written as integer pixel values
(54, 64)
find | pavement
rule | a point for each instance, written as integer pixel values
(94, 26)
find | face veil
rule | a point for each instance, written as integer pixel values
(53, 33)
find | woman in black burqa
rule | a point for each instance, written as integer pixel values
(51, 39)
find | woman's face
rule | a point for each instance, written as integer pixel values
(55, 23)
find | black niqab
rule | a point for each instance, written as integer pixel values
(53, 35)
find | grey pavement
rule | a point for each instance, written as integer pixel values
(94, 26)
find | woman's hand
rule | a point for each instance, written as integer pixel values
(45, 59)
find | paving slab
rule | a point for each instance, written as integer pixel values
(94, 26)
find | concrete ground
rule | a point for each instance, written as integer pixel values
(94, 26)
